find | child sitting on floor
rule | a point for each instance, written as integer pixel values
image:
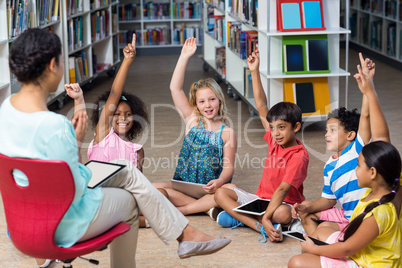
(284, 172)
(209, 147)
(346, 134)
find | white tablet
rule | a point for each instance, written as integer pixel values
(256, 207)
(101, 172)
(195, 190)
(299, 236)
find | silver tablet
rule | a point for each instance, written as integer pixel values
(195, 190)
(101, 172)
(255, 207)
(299, 236)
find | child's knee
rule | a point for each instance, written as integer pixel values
(296, 262)
(220, 194)
(282, 214)
(164, 192)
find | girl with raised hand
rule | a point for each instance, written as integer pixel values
(208, 152)
(119, 117)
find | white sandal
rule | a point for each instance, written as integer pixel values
(46, 263)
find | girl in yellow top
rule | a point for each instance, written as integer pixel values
(373, 237)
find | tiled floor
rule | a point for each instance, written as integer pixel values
(149, 78)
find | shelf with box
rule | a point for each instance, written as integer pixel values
(376, 25)
(298, 41)
(162, 23)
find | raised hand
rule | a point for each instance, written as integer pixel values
(73, 90)
(253, 61)
(364, 81)
(129, 51)
(367, 65)
(189, 47)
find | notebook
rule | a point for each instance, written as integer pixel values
(290, 16)
(195, 190)
(304, 97)
(317, 55)
(293, 58)
(312, 14)
(255, 207)
(101, 172)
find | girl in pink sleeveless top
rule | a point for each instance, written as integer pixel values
(119, 117)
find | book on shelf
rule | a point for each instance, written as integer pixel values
(293, 58)
(248, 84)
(305, 54)
(300, 15)
(71, 70)
(181, 33)
(376, 35)
(210, 21)
(19, 17)
(156, 36)
(312, 16)
(125, 37)
(304, 97)
(252, 42)
(219, 31)
(48, 11)
(290, 16)
(129, 12)
(74, 6)
(391, 39)
(187, 10)
(317, 55)
(310, 94)
(220, 60)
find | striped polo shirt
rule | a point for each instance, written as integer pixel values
(340, 181)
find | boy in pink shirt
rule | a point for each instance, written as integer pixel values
(284, 172)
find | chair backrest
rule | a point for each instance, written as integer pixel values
(34, 212)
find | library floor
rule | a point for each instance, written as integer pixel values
(149, 78)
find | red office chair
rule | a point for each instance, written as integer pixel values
(34, 212)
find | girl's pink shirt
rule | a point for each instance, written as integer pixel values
(112, 147)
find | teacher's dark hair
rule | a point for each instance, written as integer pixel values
(31, 52)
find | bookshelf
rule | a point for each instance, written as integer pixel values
(90, 35)
(160, 23)
(15, 17)
(88, 30)
(270, 44)
(377, 26)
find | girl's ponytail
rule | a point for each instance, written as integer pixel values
(384, 157)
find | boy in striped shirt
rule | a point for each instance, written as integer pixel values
(346, 134)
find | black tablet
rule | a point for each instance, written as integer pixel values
(299, 236)
(101, 172)
(255, 207)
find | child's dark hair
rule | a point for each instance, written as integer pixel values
(137, 107)
(31, 52)
(285, 111)
(348, 119)
(385, 158)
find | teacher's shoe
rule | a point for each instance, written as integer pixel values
(188, 249)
